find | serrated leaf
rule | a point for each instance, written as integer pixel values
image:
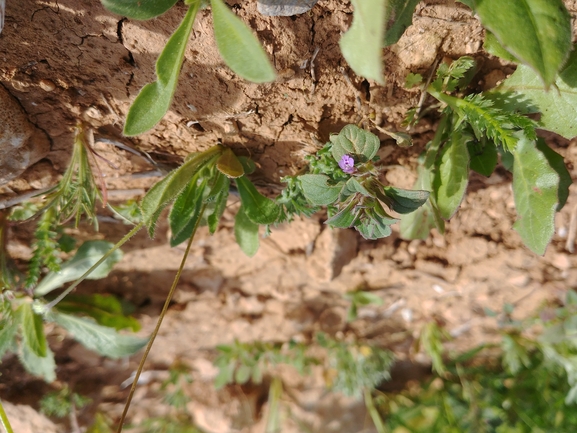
(105, 309)
(317, 190)
(483, 159)
(558, 106)
(258, 208)
(452, 176)
(229, 164)
(535, 186)
(398, 16)
(86, 256)
(165, 191)
(239, 48)
(154, 99)
(404, 201)
(102, 339)
(353, 140)
(138, 9)
(537, 32)
(362, 44)
(246, 233)
(32, 326)
(557, 163)
(42, 366)
(187, 210)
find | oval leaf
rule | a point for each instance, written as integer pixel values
(558, 107)
(229, 164)
(246, 233)
(138, 9)
(102, 339)
(353, 140)
(362, 44)
(318, 191)
(404, 201)
(452, 177)
(535, 186)
(86, 256)
(537, 32)
(43, 366)
(154, 99)
(239, 48)
(32, 330)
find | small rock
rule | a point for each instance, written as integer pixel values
(47, 85)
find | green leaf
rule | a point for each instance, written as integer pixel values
(43, 366)
(537, 32)
(353, 140)
(7, 335)
(346, 217)
(398, 16)
(535, 186)
(165, 191)
(246, 233)
(317, 190)
(187, 210)
(362, 44)
(243, 374)
(404, 201)
(102, 339)
(229, 164)
(32, 330)
(493, 46)
(483, 158)
(557, 163)
(258, 208)
(558, 105)
(219, 195)
(515, 355)
(86, 256)
(452, 176)
(239, 48)
(138, 9)
(154, 99)
(105, 309)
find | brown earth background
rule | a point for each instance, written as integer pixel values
(67, 61)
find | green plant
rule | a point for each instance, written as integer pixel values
(360, 298)
(473, 130)
(62, 403)
(239, 48)
(343, 177)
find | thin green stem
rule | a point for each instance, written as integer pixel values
(373, 412)
(158, 323)
(4, 420)
(121, 242)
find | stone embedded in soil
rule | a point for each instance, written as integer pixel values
(21, 143)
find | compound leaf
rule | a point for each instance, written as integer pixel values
(138, 9)
(32, 330)
(246, 233)
(154, 99)
(258, 208)
(318, 191)
(362, 44)
(535, 187)
(353, 140)
(86, 256)
(102, 339)
(537, 32)
(239, 48)
(558, 106)
(452, 176)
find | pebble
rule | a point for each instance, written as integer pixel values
(47, 85)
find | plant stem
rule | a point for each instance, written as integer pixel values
(158, 323)
(4, 420)
(121, 242)
(373, 412)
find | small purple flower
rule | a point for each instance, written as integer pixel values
(347, 164)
